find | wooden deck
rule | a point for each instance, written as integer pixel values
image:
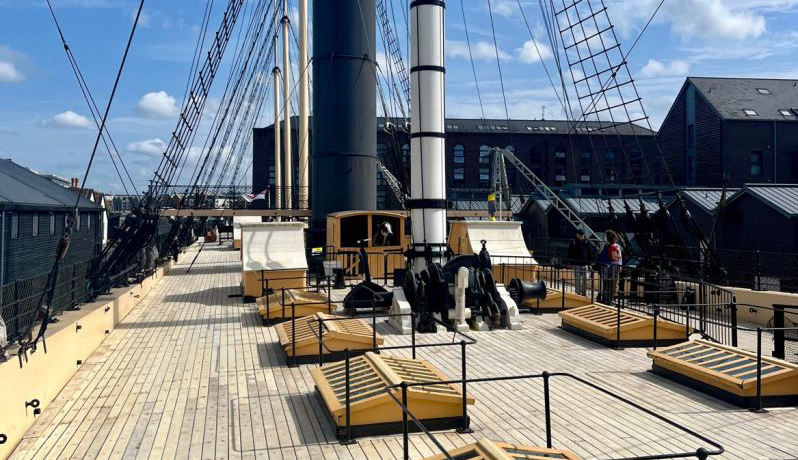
(192, 374)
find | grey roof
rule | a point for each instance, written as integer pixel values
(599, 206)
(782, 198)
(516, 204)
(21, 187)
(730, 96)
(706, 198)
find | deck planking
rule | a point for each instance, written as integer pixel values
(192, 374)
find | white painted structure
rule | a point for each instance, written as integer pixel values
(273, 246)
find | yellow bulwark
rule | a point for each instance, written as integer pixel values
(600, 323)
(273, 309)
(728, 372)
(340, 333)
(489, 450)
(372, 410)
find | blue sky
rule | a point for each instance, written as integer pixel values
(43, 122)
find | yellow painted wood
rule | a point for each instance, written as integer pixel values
(348, 257)
(341, 334)
(252, 283)
(305, 303)
(369, 404)
(779, 378)
(485, 449)
(602, 320)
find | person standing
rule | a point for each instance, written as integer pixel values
(610, 261)
(580, 254)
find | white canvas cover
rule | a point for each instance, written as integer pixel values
(238, 220)
(273, 246)
(504, 239)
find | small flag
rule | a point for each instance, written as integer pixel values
(250, 197)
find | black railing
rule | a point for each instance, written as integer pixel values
(546, 377)
(20, 299)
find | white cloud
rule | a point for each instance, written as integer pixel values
(529, 54)
(158, 105)
(481, 51)
(503, 8)
(9, 72)
(148, 147)
(655, 68)
(706, 19)
(68, 120)
(10, 61)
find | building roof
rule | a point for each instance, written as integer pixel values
(599, 206)
(731, 97)
(783, 198)
(516, 204)
(22, 188)
(706, 198)
(498, 126)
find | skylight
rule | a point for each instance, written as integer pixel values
(785, 113)
(750, 112)
(763, 91)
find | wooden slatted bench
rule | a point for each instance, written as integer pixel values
(599, 323)
(343, 333)
(728, 373)
(372, 411)
(486, 449)
(272, 309)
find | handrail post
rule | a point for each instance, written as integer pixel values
(465, 428)
(348, 439)
(413, 332)
(282, 302)
(268, 306)
(758, 409)
(656, 317)
(329, 294)
(618, 326)
(374, 326)
(384, 268)
(321, 341)
(547, 408)
(405, 427)
(293, 336)
(733, 307)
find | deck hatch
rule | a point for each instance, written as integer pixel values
(600, 323)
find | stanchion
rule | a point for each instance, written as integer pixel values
(348, 439)
(618, 324)
(547, 408)
(465, 428)
(656, 317)
(759, 409)
(413, 332)
(374, 326)
(321, 341)
(405, 428)
(293, 336)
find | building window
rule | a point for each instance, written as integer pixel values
(14, 226)
(610, 156)
(750, 112)
(484, 175)
(381, 151)
(756, 163)
(459, 176)
(52, 223)
(690, 136)
(77, 221)
(559, 155)
(586, 155)
(459, 154)
(271, 175)
(484, 154)
(763, 91)
(35, 225)
(88, 221)
(406, 154)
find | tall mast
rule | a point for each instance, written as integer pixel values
(278, 170)
(427, 159)
(304, 108)
(287, 158)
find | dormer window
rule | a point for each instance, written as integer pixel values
(750, 112)
(785, 113)
(763, 91)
